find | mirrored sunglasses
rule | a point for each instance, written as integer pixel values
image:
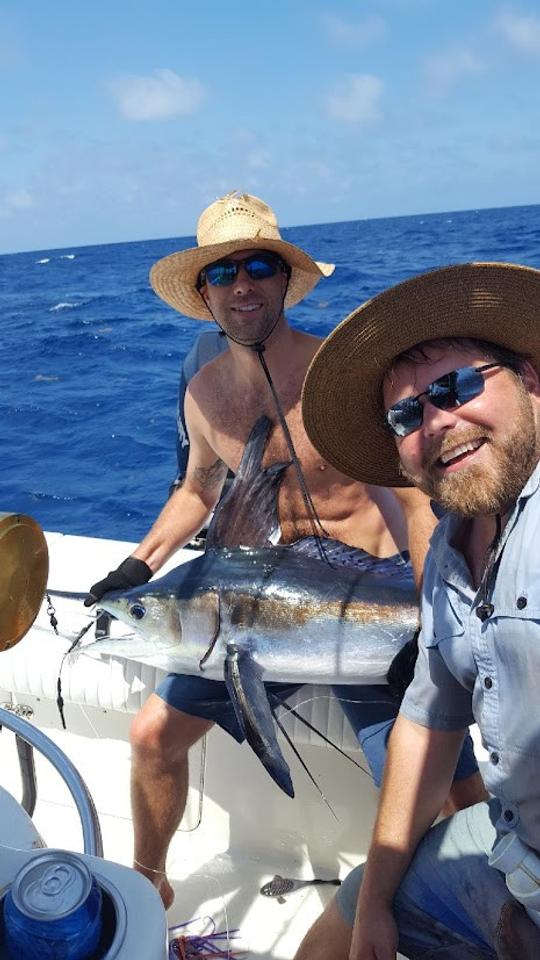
(449, 391)
(258, 266)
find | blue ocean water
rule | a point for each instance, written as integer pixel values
(90, 356)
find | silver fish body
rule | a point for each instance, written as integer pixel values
(299, 619)
(247, 612)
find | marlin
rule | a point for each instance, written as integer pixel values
(250, 612)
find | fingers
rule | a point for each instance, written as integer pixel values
(132, 572)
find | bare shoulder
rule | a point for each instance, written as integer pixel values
(307, 342)
(206, 383)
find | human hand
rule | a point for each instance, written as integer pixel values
(375, 934)
(131, 573)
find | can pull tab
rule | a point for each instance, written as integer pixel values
(54, 883)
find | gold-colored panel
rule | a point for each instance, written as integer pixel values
(24, 567)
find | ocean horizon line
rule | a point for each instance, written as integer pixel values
(300, 226)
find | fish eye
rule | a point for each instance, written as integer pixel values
(137, 611)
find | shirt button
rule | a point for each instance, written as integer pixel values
(484, 611)
(508, 816)
(494, 757)
(521, 603)
(488, 683)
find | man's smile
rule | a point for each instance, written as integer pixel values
(451, 455)
(460, 453)
(246, 307)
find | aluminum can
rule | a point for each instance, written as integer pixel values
(53, 910)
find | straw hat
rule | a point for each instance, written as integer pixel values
(342, 402)
(232, 223)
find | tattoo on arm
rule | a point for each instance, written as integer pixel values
(208, 477)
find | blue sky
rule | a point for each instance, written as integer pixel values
(122, 119)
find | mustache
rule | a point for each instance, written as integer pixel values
(439, 448)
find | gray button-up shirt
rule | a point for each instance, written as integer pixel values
(489, 671)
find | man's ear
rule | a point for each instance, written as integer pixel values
(204, 295)
(530, 378)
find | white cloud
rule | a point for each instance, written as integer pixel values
(20, 199)
(157, 97)
(443, 70)
(365, 31)
(356, 99)
(521, 31)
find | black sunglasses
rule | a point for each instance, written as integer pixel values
(451, 390)
(258, 266)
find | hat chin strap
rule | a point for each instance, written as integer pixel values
(259, 349)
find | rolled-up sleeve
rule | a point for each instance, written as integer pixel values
(435, 698)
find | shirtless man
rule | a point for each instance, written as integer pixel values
(243, 275)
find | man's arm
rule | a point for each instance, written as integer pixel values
(182, 517)
(418, 775)
(188, 508)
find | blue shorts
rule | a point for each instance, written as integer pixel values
(371, 710)
(449, 902)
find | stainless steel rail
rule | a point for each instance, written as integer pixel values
(91, 830)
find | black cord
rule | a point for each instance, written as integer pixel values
(59, 697)
(485, 608)
(311, 510)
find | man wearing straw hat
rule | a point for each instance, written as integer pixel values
(440, 388)
(243, 275)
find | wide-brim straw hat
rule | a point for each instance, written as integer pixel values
(342, 398)
(232, 223)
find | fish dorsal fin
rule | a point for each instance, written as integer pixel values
(247, 515)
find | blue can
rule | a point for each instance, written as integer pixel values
(53, 910)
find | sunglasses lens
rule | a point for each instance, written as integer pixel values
(443, 393)
(221, 274)
(405, 416)
(452, 390)
(261, 268)
(470, 383)
(456, 388)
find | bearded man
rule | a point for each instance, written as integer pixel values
(440, 388)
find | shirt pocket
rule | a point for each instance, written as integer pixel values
(517, 593)
(446, 622)
(447, 635)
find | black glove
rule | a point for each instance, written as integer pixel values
(130, 573)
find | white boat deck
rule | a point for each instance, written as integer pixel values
(239, 830)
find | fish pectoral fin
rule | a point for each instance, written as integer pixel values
(250, 702)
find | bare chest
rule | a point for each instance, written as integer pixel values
(230, 429)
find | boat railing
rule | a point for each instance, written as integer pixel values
(27, 733)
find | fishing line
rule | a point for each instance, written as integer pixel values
(328, 697)
(202, 782)
(51, 613)
(311, 510)
(310, 726)
(305, 766)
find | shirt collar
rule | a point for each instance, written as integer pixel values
(449, 561)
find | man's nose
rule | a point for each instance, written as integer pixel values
(243, 280)
(435, 420)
